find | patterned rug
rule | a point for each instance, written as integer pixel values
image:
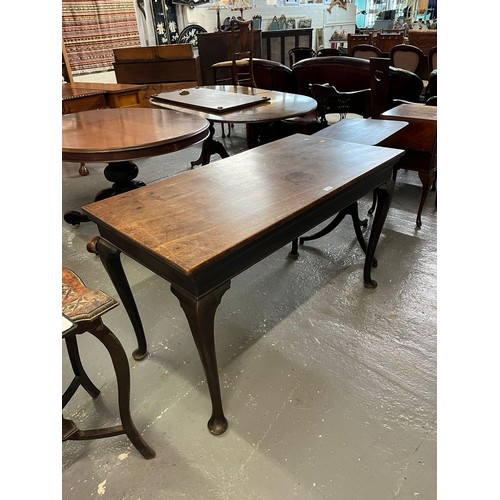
(91, 29)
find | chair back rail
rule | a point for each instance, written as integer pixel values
(407, 57)
(365, 51)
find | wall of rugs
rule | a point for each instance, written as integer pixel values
(91, 29)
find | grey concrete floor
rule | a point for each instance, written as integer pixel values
(329, 388)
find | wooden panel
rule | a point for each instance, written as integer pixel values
(157, 64)
(84, 103)
(124, 99)
(176, 51)
(81, 96)
(157, 71)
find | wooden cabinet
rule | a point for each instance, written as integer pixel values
(276, 44)
(216, 47)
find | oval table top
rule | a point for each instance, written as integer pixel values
(280, 105)
(117, 134)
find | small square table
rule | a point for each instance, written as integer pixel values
(419, 140)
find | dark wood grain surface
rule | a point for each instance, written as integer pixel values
(210, 100)
(197, 217)
(77, 89)
(361, 130)
(107, 135)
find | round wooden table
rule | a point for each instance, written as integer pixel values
(278, 106)
(117, 136)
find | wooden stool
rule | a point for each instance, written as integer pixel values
(84, 307)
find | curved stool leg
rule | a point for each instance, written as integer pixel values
(81, 378)
(427, 178)
(120, 364)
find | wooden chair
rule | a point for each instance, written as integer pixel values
(84, 307)
(334, 106)
(240, 66)
(386, 41)
(272, 75)
(298, 53)
(364, 51)
(406, 57)
(241, 62)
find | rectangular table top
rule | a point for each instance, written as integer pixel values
(189, 221)
(412, 112)
(215, 101)
(361, 130)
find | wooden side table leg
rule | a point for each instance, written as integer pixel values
(200, 313)
(384, 197)
(110, 258)
(427, 178)
(122, 371)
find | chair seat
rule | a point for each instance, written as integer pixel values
(80, 303)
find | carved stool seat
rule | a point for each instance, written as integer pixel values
(84, 307)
